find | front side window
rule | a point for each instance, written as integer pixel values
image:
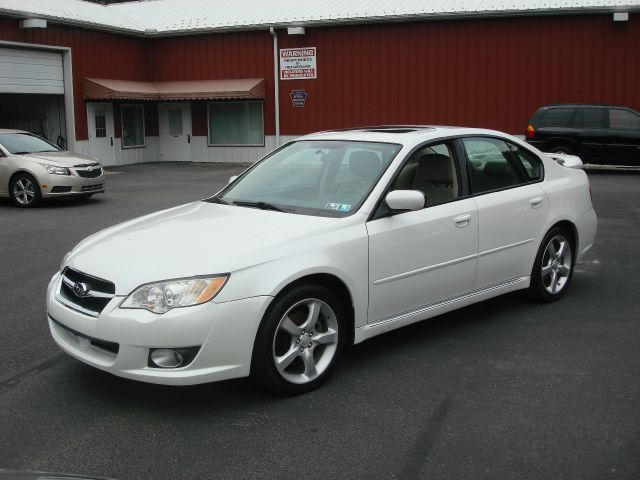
(623, 119)
(132, 126)
(236, 123)
(490, 164)
(329, 178)
(430, 170)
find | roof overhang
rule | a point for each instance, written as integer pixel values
(110, 89)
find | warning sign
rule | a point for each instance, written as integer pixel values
(298, 63)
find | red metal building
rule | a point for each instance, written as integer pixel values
(167, 95)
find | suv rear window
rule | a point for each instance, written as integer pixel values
(556, 117)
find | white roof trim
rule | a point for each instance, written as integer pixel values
(165, 17)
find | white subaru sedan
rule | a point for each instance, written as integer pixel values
(329, 240)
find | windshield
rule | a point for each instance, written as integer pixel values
(26, 143)
(312, 177)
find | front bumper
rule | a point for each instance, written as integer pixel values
(225, 333)
(71, 185)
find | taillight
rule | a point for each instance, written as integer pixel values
(530, 132)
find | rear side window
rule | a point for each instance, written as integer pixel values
(531, 164)
(556, 117)
(490, 164)
(623, 119)
(588, 118)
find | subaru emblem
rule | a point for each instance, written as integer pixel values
(80, 289)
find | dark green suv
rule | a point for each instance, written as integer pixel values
(603, 134)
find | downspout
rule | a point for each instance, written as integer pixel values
(276, 90)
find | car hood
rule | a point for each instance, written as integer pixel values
(64, 159)
(199, 238)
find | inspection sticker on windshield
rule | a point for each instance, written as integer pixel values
(341, 207)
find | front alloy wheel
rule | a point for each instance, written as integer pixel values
(553, 266)
(299, 340)
(25, 191)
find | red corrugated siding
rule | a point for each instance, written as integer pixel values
(478, 72)
(492, 72)
(94, 54)
(216, 56)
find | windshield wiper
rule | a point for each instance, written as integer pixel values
(20, 153)
(216, 200)
(261, 206)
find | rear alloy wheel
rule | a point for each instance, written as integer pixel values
(24, 190)
(553, 266)
(299, 341)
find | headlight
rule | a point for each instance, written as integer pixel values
(161, 297)
(55, 170)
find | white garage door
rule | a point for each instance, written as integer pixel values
(30, 71)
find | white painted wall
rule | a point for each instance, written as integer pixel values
(127, 156)
(200, 151)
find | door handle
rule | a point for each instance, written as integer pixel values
(536, 202)
(188, 138)
(112, 141)
(462, 221)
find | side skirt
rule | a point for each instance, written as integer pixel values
(438, 308)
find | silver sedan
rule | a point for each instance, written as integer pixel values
(32, 169)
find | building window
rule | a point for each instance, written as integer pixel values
(101, 123)
(236, 123)
(132, 126)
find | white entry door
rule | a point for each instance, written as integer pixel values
(100, 124)
(175, 131)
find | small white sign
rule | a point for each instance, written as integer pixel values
(298, 63)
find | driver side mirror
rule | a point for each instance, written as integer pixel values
(405, 200)
(232, 178)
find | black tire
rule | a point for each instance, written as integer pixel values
(24, 190)
(562, 149)
(274, 341)
(559, 270)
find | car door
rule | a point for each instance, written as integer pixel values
(624, 137)
(4, 174)
(591, 137)
(512, 208)
(420, 258)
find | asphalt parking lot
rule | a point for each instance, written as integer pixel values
(505, 389)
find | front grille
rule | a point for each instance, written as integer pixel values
(90, 173)
(92, 188)
(110, 347)
(84, 293)
(59, 189)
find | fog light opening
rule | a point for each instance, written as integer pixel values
(172, 357)
(166, 358)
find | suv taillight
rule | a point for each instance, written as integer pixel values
(530, 132)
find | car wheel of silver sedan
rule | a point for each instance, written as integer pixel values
(299, 341)
(553, 267)
(24, 190)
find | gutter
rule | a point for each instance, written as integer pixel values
(276, 83)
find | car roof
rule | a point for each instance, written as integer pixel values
(407, 135)
(9, 130)
(565, 105)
